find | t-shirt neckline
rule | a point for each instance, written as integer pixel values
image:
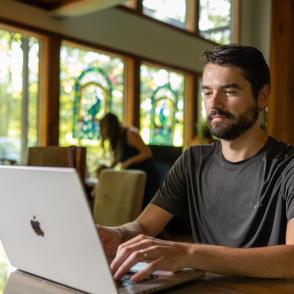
(264, 149)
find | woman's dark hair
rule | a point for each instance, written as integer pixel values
(249, 59)
(111, 130)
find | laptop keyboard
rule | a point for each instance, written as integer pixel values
(126, 280)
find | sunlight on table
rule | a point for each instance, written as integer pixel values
(5, 268)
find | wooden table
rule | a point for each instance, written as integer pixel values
(211, 284)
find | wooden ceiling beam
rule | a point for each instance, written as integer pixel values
(71, 8)
(47, 4)
(76, 8)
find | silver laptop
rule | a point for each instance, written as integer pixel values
(47, 230)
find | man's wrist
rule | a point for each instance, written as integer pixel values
(193, 255)
(189, 254)
(128, 231)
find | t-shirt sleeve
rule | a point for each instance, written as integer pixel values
(289, 190)
(172, 194)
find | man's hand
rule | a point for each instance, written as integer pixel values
(159, 254)
(111, 238)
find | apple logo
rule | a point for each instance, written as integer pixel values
(36, 227)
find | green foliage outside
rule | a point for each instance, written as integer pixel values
(4, 268)
(15, 135)
(215, 20)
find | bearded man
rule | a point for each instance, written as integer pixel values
(238, 191)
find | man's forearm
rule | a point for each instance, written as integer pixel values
(129, 230)
(145, 223)
(265, 262)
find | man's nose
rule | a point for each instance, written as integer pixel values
(216, 100)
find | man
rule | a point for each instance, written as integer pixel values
(238, 192)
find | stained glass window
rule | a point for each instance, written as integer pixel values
(169, 11)
(215, 18)
(19, 89)
(92, 83)
(162, 106)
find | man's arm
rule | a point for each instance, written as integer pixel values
(264, 262)
(290, 232)
(151, 222)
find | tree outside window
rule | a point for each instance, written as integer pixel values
(19, 90)
(171, 12)
(215, 18)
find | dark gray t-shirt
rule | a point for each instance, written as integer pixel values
(243, 204)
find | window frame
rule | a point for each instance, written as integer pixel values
(49, 84)
(192, 18)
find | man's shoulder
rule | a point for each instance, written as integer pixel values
(281, 149)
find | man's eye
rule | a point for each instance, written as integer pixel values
(206, 94)
(230, 92)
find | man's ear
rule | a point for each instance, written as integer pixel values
(263, 96)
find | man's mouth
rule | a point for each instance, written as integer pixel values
(219, 115)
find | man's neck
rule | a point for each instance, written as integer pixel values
(244, 147)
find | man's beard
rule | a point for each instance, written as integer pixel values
(232, 127)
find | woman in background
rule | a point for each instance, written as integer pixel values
(129, 149)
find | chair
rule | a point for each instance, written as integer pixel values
(119, 196)
(57, 156)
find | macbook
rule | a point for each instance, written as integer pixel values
(47, 231)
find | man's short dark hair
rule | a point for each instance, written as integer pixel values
(249, 59)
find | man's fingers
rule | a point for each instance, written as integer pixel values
(129, 262)
(124, 251)
(141, 248)
(146, 271)
(134, 241)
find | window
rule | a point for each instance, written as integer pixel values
(162, 106)
(92, 83)
(201, 108)
(172, 12)
(218, 20)
(215, 18)
(19, 90)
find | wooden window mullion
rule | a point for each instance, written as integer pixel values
(49, 90)
(132, 92)
(190, 108)
(191, 20)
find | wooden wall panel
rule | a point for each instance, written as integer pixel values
(281, 104)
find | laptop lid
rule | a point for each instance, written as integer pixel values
(47, 229)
